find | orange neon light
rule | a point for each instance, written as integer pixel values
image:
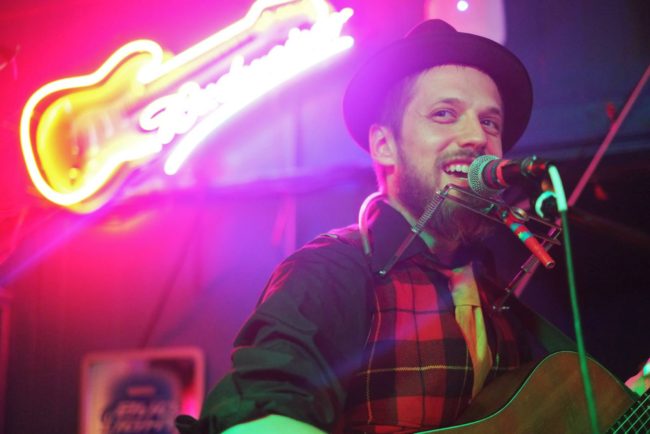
(79, 136)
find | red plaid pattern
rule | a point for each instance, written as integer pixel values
(417, 371)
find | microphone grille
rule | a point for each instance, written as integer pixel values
(475, 176)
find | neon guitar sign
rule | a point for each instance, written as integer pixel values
(82, 136)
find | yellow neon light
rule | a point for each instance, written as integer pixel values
(94, 153)
(148, 146)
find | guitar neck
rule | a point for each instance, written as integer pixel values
(636, 419)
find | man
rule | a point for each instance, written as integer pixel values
(353, 335)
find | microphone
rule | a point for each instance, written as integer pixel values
(488, 174)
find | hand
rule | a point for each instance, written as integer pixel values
(273, 424)
(641, 381)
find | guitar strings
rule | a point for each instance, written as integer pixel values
(634, 428)
(629, 414)
(643, 403)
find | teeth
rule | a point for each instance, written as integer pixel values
(457, 168)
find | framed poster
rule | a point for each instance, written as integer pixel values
(138, 392)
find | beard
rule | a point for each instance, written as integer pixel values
(451, 221)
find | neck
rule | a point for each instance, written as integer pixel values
(439, 246)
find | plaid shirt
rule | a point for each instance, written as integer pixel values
(417, 371)
(332, 347)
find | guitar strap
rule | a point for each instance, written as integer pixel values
(548, 335)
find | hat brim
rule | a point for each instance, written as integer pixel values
(365, 94)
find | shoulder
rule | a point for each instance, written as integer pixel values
(339, 247)
(332, 262)
(323, 286)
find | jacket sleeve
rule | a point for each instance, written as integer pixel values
(296, 354)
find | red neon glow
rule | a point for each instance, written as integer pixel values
(86, 137)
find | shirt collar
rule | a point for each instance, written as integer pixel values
(388, 228)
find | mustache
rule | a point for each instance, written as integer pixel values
(460, 154)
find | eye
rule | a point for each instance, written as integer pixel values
(492, 125)
(443, 115)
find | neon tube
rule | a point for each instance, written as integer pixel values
(248, 83)
(143, 63)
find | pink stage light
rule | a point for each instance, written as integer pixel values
(462, 5)
(485, 17)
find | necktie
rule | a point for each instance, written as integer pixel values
(469, 316)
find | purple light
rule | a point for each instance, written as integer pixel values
(240, 87)
(462, 5)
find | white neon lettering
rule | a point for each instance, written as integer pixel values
(179, 113)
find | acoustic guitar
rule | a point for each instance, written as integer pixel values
(548, 398)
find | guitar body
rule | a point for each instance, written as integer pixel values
(79, 133)
(84, 135)
(545, 398)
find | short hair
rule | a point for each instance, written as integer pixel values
(391, 114)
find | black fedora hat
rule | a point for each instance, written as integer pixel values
(434, 43)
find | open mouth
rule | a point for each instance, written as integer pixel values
(457, 168)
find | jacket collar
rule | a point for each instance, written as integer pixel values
(388, 228)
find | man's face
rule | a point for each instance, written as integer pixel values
(455, 114)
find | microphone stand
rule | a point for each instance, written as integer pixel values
(492, 210)
(533, 261)
(564, 208)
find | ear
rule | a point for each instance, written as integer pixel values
(382, 145)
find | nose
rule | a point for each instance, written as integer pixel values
(472, 134)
